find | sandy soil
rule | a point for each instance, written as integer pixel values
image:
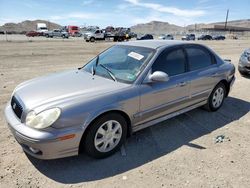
(180, 152)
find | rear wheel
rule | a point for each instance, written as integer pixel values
(216, 98)
(105, 135)
(92, 39)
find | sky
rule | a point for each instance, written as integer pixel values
(123, 13)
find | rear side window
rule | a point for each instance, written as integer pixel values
(198, 58)
(172, 63)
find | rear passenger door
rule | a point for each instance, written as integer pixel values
(203, 70)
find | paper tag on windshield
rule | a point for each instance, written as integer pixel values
(135, 56)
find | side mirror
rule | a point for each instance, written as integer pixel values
(158, 76)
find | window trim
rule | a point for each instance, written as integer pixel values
(169, 50)
(212, 57)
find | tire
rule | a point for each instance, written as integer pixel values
(47, 36)
(214, 103)
(100, 129)
(92, 39)
(63, 36)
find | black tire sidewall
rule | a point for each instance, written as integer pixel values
(89, 145)
(210, 100)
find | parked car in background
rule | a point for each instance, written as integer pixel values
(33, 34)
(57, 33)
(77, 34)
(188, 37)
(126, 88)
(205, 37)
(146, 37)
(219, 37)
(41, 28)
(94, 35)
(73, 30)
(166, 37)
(244, 62)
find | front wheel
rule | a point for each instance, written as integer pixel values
(216, 98)
(105, 136)
(92, 39)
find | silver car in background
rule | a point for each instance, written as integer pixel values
(244, 62)
(166, 37)
(126, 88)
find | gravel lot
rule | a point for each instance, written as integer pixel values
(175, 153)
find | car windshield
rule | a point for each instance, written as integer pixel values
(125, 63)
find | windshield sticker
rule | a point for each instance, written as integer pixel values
(135, 56)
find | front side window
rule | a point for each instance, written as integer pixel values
(125, 63)
(172, 63)
(198, 58)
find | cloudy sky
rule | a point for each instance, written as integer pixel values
(123, 12)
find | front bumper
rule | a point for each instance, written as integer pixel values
(87, 37)
(244, 69)
(231, 84)
(44, 144)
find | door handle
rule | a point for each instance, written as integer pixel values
(181, 84)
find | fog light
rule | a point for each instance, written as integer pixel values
(34, 150)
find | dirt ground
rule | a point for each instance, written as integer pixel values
(180, 152)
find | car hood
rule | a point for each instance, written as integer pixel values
(89, 33)
(64, 85)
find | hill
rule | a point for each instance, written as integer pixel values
(27, 25)
(237, 23)
(156, 27)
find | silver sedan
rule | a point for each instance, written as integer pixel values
(244, 62)
(126, 88)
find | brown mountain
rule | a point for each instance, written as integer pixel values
(27, 25)
(156, 27)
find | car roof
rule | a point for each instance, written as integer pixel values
(154, 44)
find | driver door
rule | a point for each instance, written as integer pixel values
(161, 98)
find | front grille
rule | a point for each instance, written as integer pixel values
(16, 107)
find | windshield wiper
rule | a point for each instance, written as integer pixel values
(111, 74)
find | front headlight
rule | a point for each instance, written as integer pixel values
(43, 119)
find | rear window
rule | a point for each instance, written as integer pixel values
(198, 58)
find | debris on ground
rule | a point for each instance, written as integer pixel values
(221, 138)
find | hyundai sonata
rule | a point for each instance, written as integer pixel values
(128, 87)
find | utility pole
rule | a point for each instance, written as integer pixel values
(226, 19)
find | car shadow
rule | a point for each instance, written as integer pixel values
(246, 76)
(145, 146)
